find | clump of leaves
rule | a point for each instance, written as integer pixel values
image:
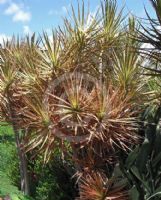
(97, 186)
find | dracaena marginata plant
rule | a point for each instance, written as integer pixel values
(11, 53)
(79, 91)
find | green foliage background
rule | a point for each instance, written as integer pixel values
(47, 181)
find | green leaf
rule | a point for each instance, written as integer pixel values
(136, 172)
(154, 195)
(134, 194)
(143, 155)
(156, 160)
(141, 178)
(131, 158)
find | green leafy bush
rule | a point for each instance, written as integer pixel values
(46, 181)
(54, 181)
(9, 163)
(8, 189)
(9, 166)
(143, 166)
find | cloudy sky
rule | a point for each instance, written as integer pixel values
(27, 16)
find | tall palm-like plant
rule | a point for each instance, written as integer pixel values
(127, 71)
(96, 118)
(112, 31)
(93, 108)
(9, 81)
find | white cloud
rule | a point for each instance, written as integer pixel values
(3, 1)
(18, 13)
(12, 9)
(62, 11)
(4, 37)
(22, 16)
(27, 30)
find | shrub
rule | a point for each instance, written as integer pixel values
(53, 181)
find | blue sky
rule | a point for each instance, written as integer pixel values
(27, 16)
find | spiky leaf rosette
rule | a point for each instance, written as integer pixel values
(96, 186)
(8, 78)
(85, 112)
(36, 120)
(115, 122)
(68, 98)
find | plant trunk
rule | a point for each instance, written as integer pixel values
(21, 154)
(22, 164)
